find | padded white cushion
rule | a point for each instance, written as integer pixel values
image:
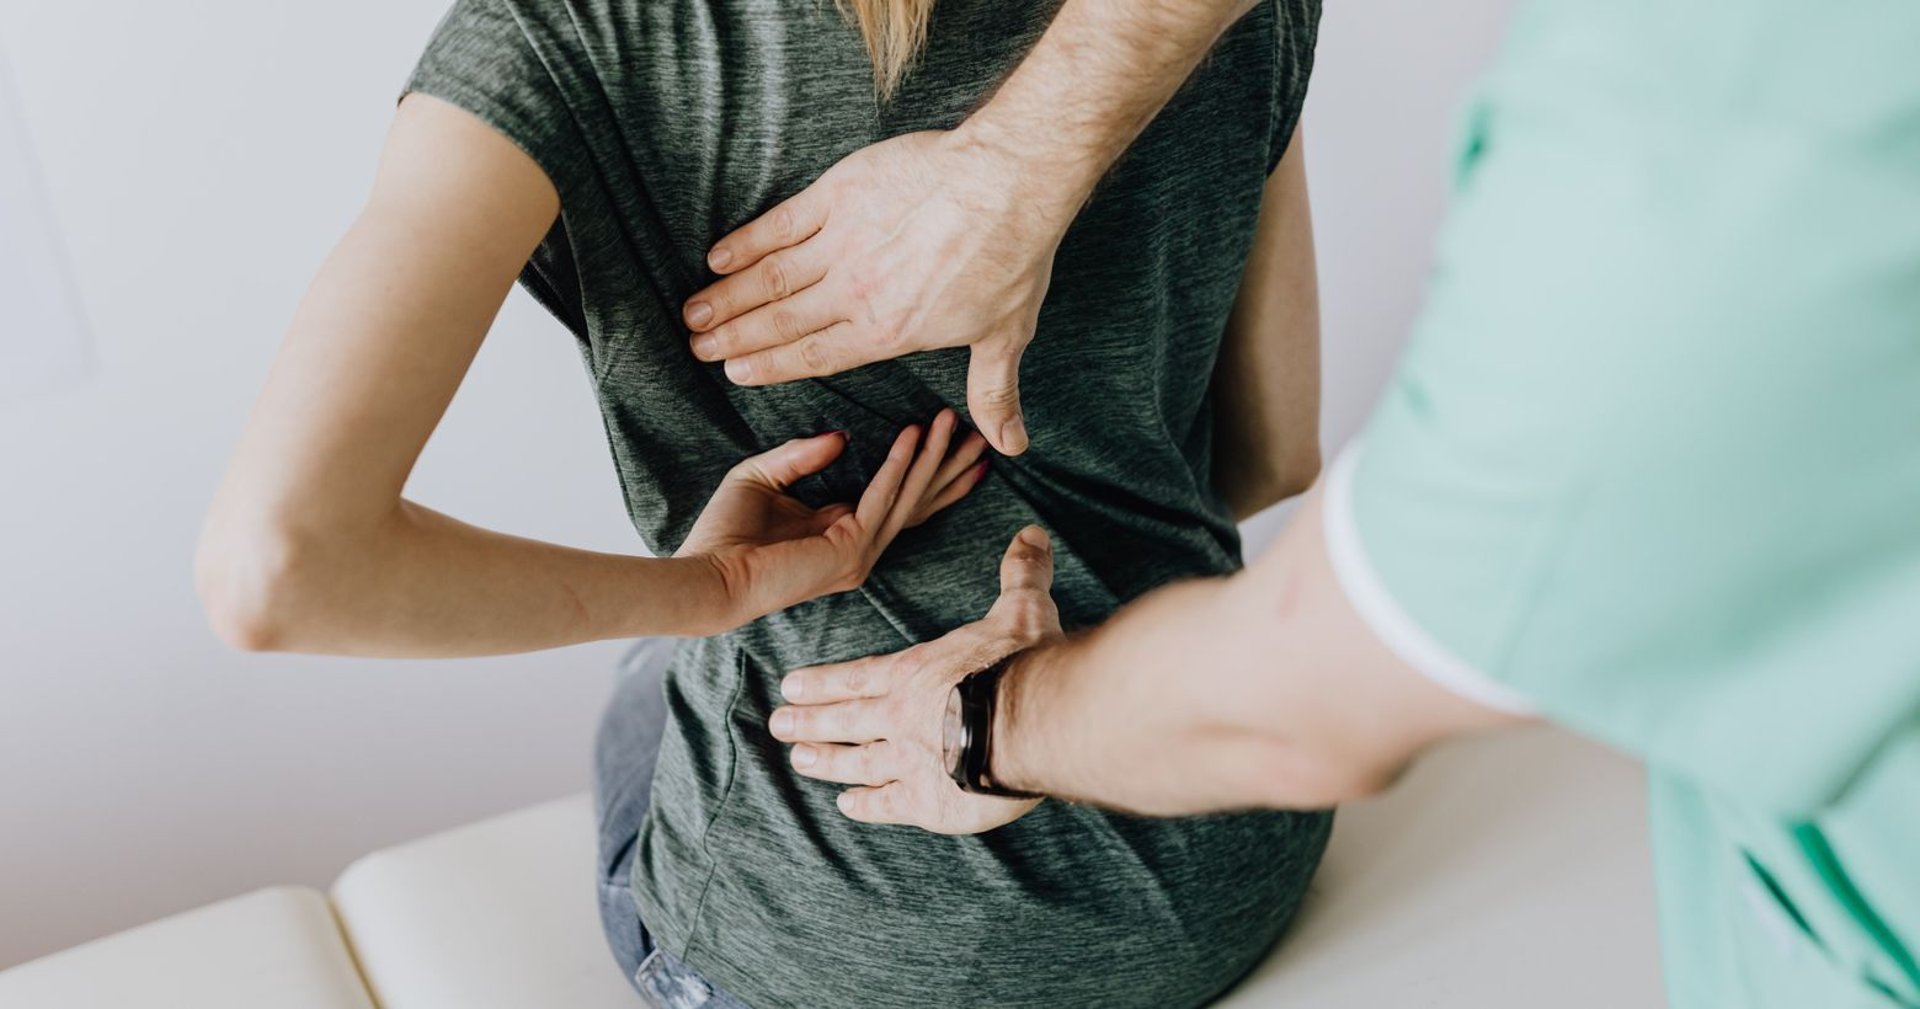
(1505, 872)
(276, 948)
(497, 915)
(1510, 872)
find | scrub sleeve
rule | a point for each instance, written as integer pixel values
(1651, 466)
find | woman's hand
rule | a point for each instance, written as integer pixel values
(770, 551)
(877, 722)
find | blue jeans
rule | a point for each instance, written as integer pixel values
(625, 751)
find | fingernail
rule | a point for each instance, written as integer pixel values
(1033, 537)
(703, 346)
(719, 258)
(793, 686)
(782, 722)
(739, 370)
(699, 313)
(843, 801)
(804, 757)
(1013, 434)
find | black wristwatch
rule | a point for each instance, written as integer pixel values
(968, 736)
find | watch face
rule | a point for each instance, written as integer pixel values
(953, 732)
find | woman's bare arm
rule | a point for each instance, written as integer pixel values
(1266, 383)
(310, 546)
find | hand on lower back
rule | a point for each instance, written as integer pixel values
(878, 723)
(771, 551)
(918, 242)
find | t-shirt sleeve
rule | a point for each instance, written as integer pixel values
(1649, 465)
(493, 59)
(508, 63)
(1296, 33)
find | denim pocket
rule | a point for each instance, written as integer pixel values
(666, 983)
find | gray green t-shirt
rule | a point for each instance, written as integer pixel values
(666, 123)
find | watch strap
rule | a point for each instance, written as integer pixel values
(979, 692)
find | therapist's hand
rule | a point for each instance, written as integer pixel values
(877, 723)
(926, 240)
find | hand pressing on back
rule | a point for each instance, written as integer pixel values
(879, 723)
(922, 241)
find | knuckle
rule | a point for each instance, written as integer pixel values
(813, 353)
(1000, 396)
(777, 279)
(783, 224)
(785, 324)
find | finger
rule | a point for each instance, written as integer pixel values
(844, 681)
(958, 476)
(771, 325)
(861, 721)
(960, 461)
(886, 804)
(993, 395)
(830, 351)
(784, 465)
(825, 518)
(791, 222)
(913, 489)
(1028, 563)
(872, 764)
(948, 496)
(880, 494)
(774, 278)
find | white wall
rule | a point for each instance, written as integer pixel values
(201, 156)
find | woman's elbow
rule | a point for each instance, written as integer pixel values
(247, 573)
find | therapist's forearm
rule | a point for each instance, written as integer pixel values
(1099, 74)
(1260, 690)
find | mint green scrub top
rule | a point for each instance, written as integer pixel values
(1651, 467)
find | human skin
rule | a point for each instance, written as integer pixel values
(1283, 696)
(310, 546)
(1264, 689)
(946, 238)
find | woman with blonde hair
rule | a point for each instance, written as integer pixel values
(594, 150)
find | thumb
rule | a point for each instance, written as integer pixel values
(993, 395)
(1028, 563)
(1025, 608)
(784, 465)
